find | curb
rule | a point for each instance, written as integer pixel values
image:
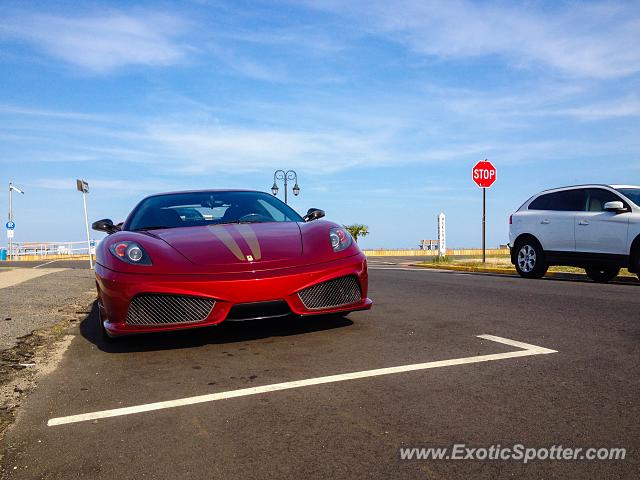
(506, 271)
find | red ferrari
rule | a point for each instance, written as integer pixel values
(199, 258)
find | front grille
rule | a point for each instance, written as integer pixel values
(334, 293)
(157, 309)
(258, 310)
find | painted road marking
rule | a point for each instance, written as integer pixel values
(46, 263)
(527, 350)
(407, 269)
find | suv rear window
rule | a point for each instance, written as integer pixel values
(564, 201)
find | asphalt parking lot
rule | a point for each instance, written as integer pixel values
(73, 264)
(574, 383)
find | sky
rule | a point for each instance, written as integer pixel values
(381, 107)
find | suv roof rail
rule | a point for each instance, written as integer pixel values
(578, 186)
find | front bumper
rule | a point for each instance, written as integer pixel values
(116, 290)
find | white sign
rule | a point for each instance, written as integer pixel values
(10, 233)
(442, 236)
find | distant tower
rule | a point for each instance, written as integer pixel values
(442, 236)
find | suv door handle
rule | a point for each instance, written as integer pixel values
(545, 221)
(583, 222)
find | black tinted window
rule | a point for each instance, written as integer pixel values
(191, 209)
(632, 194)
(597, 197)
(565, 201)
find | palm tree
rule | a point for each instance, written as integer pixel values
(357, 230)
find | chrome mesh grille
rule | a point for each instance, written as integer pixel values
(168, 309)
(334, 293)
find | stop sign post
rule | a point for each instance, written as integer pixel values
(484, 174)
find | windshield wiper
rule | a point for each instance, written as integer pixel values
(153, 227)
(230, 222)
(240, 222)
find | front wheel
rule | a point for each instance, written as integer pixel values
(530, 259)
(602, 274)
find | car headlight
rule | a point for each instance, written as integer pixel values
(130, 252)
(340, 239)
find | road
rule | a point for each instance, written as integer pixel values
(44, 263)
(583, 395)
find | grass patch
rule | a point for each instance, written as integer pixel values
(445, 259)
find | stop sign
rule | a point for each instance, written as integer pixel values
(484, 173)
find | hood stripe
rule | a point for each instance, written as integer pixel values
(250, 237)
(225, 237)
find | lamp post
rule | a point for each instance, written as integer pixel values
(286, 176)
(12, 188)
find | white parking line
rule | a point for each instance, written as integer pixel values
(408, 268)
(47, 263)
(528, 350)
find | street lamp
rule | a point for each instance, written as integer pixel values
(286, 176)
(12, 188)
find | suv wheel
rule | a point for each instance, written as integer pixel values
(602, 274)
(530, 259)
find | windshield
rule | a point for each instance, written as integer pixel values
(208, 208)
(632, 194)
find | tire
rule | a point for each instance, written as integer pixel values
(600, 274)
(530, 262)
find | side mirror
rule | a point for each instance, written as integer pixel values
(105, 225)
(313, 214)
(614, 207)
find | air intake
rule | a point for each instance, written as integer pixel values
(334, 293)
(157, 309)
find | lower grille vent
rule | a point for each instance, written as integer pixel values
(158, 309)
(334, 293)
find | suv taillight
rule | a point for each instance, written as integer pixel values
(510, 219)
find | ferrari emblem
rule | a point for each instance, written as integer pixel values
(249, 258)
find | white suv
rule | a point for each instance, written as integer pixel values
(595, 227)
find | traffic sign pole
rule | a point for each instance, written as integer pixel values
(83, 187)
(484, 175)
(11, 220)
(86, 224)
(484, 225)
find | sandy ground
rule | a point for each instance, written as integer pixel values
(19, 275)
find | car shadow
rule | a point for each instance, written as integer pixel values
(227, 332)
(632, 281)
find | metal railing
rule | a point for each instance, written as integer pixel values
(50, 250)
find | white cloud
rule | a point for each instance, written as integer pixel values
(35, 112)
(578, 38)
(102, 42)
(104, 185)
(628, 106)
(234, 149)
